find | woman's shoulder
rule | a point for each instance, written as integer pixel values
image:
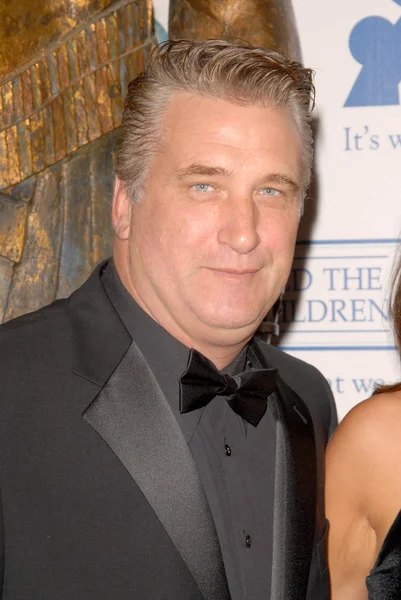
(380, 405)
(369, 420)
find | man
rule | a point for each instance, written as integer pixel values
(152, 447)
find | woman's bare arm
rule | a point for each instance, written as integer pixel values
(363, 491)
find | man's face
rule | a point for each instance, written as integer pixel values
(211, 243)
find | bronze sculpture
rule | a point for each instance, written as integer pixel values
(64, 68)
(266, 23)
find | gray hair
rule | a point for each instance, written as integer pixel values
(215, 69)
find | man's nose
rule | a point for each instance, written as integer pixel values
(239, 226)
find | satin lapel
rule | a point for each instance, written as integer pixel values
(295, 495)
(133, 417)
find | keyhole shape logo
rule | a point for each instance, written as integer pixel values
(375, 43)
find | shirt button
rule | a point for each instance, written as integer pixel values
(248, 541)
(227, 449)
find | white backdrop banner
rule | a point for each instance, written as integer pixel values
(335, 312)
(349, 234)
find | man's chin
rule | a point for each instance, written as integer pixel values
(233, 322)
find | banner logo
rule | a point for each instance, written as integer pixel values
(375, 43)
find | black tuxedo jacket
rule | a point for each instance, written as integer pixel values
(100, 497)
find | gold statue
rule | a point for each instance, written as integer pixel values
(266, 23)
(64, 69)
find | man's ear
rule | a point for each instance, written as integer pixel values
(121, 210)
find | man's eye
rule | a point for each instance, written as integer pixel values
(268, 191)
(202, 187)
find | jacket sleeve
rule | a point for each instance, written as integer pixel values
(1, 547)
(332, 420)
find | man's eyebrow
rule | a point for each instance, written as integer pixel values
(199, 169)
(282, 179)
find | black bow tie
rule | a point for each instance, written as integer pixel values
(247, 392)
